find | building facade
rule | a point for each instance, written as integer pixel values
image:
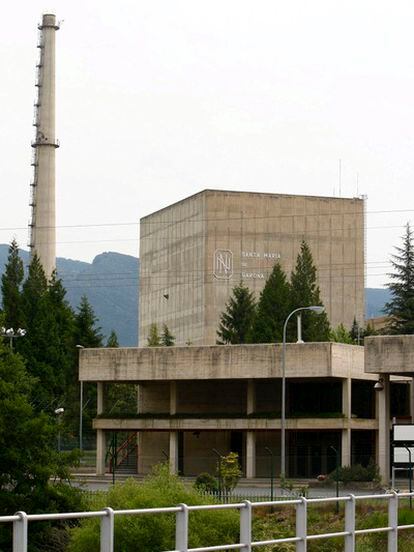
(192, 254)
(192, 400)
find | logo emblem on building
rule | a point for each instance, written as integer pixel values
(223, 264)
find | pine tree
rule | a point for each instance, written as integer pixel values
(167, 339)
(87, 333)
(236, 321)
(272, 309)
(112, 340)
(34, 288)
(400, 308)
(341, 335)
(11, 284)
(153, 339)
(305, 292)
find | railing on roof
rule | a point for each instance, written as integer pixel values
(21, 521)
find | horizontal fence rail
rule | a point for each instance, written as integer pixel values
(182, 513)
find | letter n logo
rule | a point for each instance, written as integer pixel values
(223, 264)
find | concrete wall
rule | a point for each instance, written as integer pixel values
(171, 289)
(179, 247)
(221, 362)
(390, 354)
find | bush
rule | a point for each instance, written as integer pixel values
(155, 532)
(206, 482)
(346, 474)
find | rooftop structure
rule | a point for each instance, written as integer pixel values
(192, 254)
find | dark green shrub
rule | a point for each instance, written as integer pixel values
(346, 474)
(206, 482)
(149, 533)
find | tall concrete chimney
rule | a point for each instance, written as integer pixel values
(42, 225)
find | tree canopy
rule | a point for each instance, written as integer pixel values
(237, 319)
(400, 308)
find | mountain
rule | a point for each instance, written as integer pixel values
(110, 283)
(375, 299)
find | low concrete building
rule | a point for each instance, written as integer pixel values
(192, 400)
(391, 357)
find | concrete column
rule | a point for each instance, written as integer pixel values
(412, 400)
(100, 433)
(173, 397)
(250, 397)
(383, 411)
(100, 397)
(347, 412)
(173, 452)
(100, 451)
(250, 454)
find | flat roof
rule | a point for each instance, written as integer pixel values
(267, 194)
(222, 362)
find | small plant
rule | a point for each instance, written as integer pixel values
(229, 471)
(206, 482)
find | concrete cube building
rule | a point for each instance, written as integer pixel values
(192, 254)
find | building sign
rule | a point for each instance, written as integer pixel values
(223, 264)
(259, 255)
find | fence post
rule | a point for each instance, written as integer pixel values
(20, 533)
(301, 524)
(107, 531)
(246, 526)
(350, 524)
(181, 529)
(393, 522)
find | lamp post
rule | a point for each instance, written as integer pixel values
(11, 334)
(59, 411)
(216, 452)
(318, 309)
(267, 449)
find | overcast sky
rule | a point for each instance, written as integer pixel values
(157, 100)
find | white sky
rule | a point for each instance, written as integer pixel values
(157, 100)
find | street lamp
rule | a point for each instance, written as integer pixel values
(318, 309)
(11, 334)
(59, 411)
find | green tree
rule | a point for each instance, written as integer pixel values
(229, 471)
(167, 339)
(272, 309)
(341, 335)
(112, 340)
(11, 284)
(237, 319)
(87, 333)
(154, 339)
(400, 308)
(28, 456)
(305, 292)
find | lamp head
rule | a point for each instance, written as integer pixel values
(379, 386)
(59, 410)
(318, 309)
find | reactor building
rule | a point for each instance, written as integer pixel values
(192, 254)
(42, 226)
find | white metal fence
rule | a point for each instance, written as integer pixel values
(182, 512)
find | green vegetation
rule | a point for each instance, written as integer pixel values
(228, 471)
(245, 322)
(400, 308)
(237, 319)
(167, 339)
(155, 532)
(273, 308)
(346, 474)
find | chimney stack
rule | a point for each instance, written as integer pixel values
(42, 225)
